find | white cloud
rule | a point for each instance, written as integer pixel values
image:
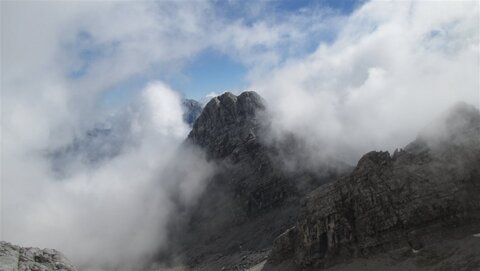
(117, 212)
(166, 110)
(393, 68)
(273, 38)
(113, 215)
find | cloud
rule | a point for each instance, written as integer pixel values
(263, 42)
(343, 84)
(393, 67)
(166, 110)
(58, 58)
(114, 214)
(110, 216)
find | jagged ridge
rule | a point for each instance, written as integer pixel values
(251, 199)
(13, 258)
(418, 195)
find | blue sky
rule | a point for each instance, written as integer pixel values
(343, 6)
(212, 70)
(209, 71)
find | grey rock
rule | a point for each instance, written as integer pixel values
(449, 253)
(416, 197)
(251, 199)
(226, 123)
(15, 258)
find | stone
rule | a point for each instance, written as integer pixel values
(15, 258)
(251, 199)
(420, 195)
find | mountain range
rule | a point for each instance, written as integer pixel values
(415, 209)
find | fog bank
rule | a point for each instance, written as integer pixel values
(393, 68)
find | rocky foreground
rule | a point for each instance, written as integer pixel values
(15, 258)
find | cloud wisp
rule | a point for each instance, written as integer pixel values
(392, 69)
(113, 215)
(343, 84)
(58, 59)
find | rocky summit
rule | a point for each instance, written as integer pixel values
(15, 258)
(251, 199)
(228, 122)
(225, 220)
(417, 198)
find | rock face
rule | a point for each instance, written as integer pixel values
(227, 130)
(15, 258)
(412, 198)
(226, 123)
(251, 200)
(246, 186)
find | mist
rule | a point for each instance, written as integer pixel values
(370, 81)
(109, 214)
(393, 68)
(114, 214)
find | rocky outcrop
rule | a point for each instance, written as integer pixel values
(251, 199)
(416, 196)
(228, 131)
(237, 209)
(15, 258)
(228, 122)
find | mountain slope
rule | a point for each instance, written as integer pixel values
(251, 199)
(414, 198)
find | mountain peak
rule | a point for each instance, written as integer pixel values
(226, 96)
(227, 121)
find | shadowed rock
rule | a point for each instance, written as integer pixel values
(416, 197)
(251, 199)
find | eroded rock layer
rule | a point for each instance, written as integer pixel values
(413, 198)
(251, 199)
(15, 258)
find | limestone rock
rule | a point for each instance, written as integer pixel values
(251, 199)
(15, 258)
(417, 196)
(227, 122)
